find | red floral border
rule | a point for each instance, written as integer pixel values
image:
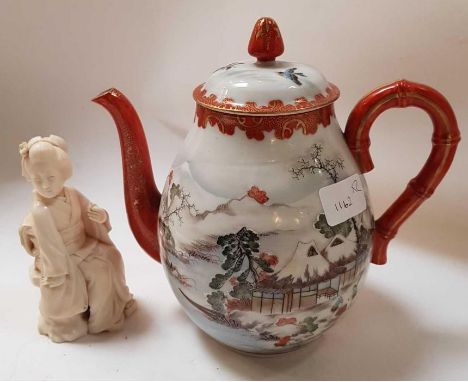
(255, 126)
(274, 106)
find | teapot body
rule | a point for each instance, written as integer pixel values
(245, 242)
(264, 227)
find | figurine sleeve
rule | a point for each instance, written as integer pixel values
(52, 251)
(99, 231)
(27, 238)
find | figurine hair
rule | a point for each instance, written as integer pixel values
(53, 146)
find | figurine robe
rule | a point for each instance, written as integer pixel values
(77, 267)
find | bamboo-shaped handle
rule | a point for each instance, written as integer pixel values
(445, 138)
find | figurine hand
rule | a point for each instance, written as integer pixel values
(52, 282)
(97, 214)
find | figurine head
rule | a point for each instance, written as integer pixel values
(45, 163)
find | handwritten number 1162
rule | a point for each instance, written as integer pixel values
(342, 204)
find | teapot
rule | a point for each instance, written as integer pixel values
(264, 227)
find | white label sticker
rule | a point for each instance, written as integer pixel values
(343, 200)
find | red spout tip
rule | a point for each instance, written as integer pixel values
(266, 42)
(113, 92)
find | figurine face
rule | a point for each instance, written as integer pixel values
(47, 179)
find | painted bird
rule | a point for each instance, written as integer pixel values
(290, 74)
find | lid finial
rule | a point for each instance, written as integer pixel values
(266, 42)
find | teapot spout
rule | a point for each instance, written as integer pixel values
(142, 197)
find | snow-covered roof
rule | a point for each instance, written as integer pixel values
(340, 247)
(306, 263)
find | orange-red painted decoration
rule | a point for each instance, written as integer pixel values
(142, 198)
(258, 195)
(273, 107)
(266, 42)
(255, 126)
(445, 138)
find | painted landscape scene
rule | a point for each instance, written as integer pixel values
(264, 272)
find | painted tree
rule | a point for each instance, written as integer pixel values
(172, 207)
(240, 250)
(242, 291)
(179, 201)
(328, 231)
(314, 163)
(217, 299)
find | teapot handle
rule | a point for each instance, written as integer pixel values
(445, 138)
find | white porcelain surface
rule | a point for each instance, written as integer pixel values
(261, 82)
(312, 276)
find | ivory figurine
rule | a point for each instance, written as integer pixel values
(77, 267)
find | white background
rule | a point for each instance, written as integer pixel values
(411, 319)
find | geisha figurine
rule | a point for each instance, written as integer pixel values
(78, 269)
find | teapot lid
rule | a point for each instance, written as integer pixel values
(266, 86)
